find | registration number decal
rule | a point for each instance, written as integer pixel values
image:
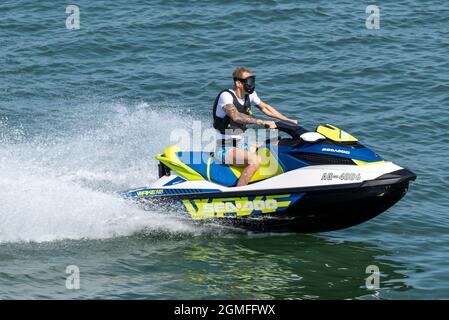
(345, 176)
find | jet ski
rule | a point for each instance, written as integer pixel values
(315, 181)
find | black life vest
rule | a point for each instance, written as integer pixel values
(226, 123)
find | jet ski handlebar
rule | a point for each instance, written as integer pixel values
(292, 130)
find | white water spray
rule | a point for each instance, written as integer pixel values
(64, 187)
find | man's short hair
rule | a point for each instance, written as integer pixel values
(239, 71)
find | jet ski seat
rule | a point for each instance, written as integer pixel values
(197, 165)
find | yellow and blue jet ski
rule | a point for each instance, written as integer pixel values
(308, 182)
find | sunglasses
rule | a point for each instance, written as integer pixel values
(249, 80)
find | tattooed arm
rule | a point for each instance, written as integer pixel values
(239, 117)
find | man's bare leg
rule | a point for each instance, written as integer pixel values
(244, 158)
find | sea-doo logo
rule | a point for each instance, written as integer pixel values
(242, 206)
(335, 150)
(245, 206)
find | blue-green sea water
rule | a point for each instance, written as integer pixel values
(84, 111)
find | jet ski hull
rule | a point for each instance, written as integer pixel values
(302, 210)
(329, 210)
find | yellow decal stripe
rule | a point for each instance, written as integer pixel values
(364, 163)
(208, 168)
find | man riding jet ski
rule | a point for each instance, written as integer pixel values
(302, 181)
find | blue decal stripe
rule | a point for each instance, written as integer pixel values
(155, 192)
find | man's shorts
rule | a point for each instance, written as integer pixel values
(221, 152)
